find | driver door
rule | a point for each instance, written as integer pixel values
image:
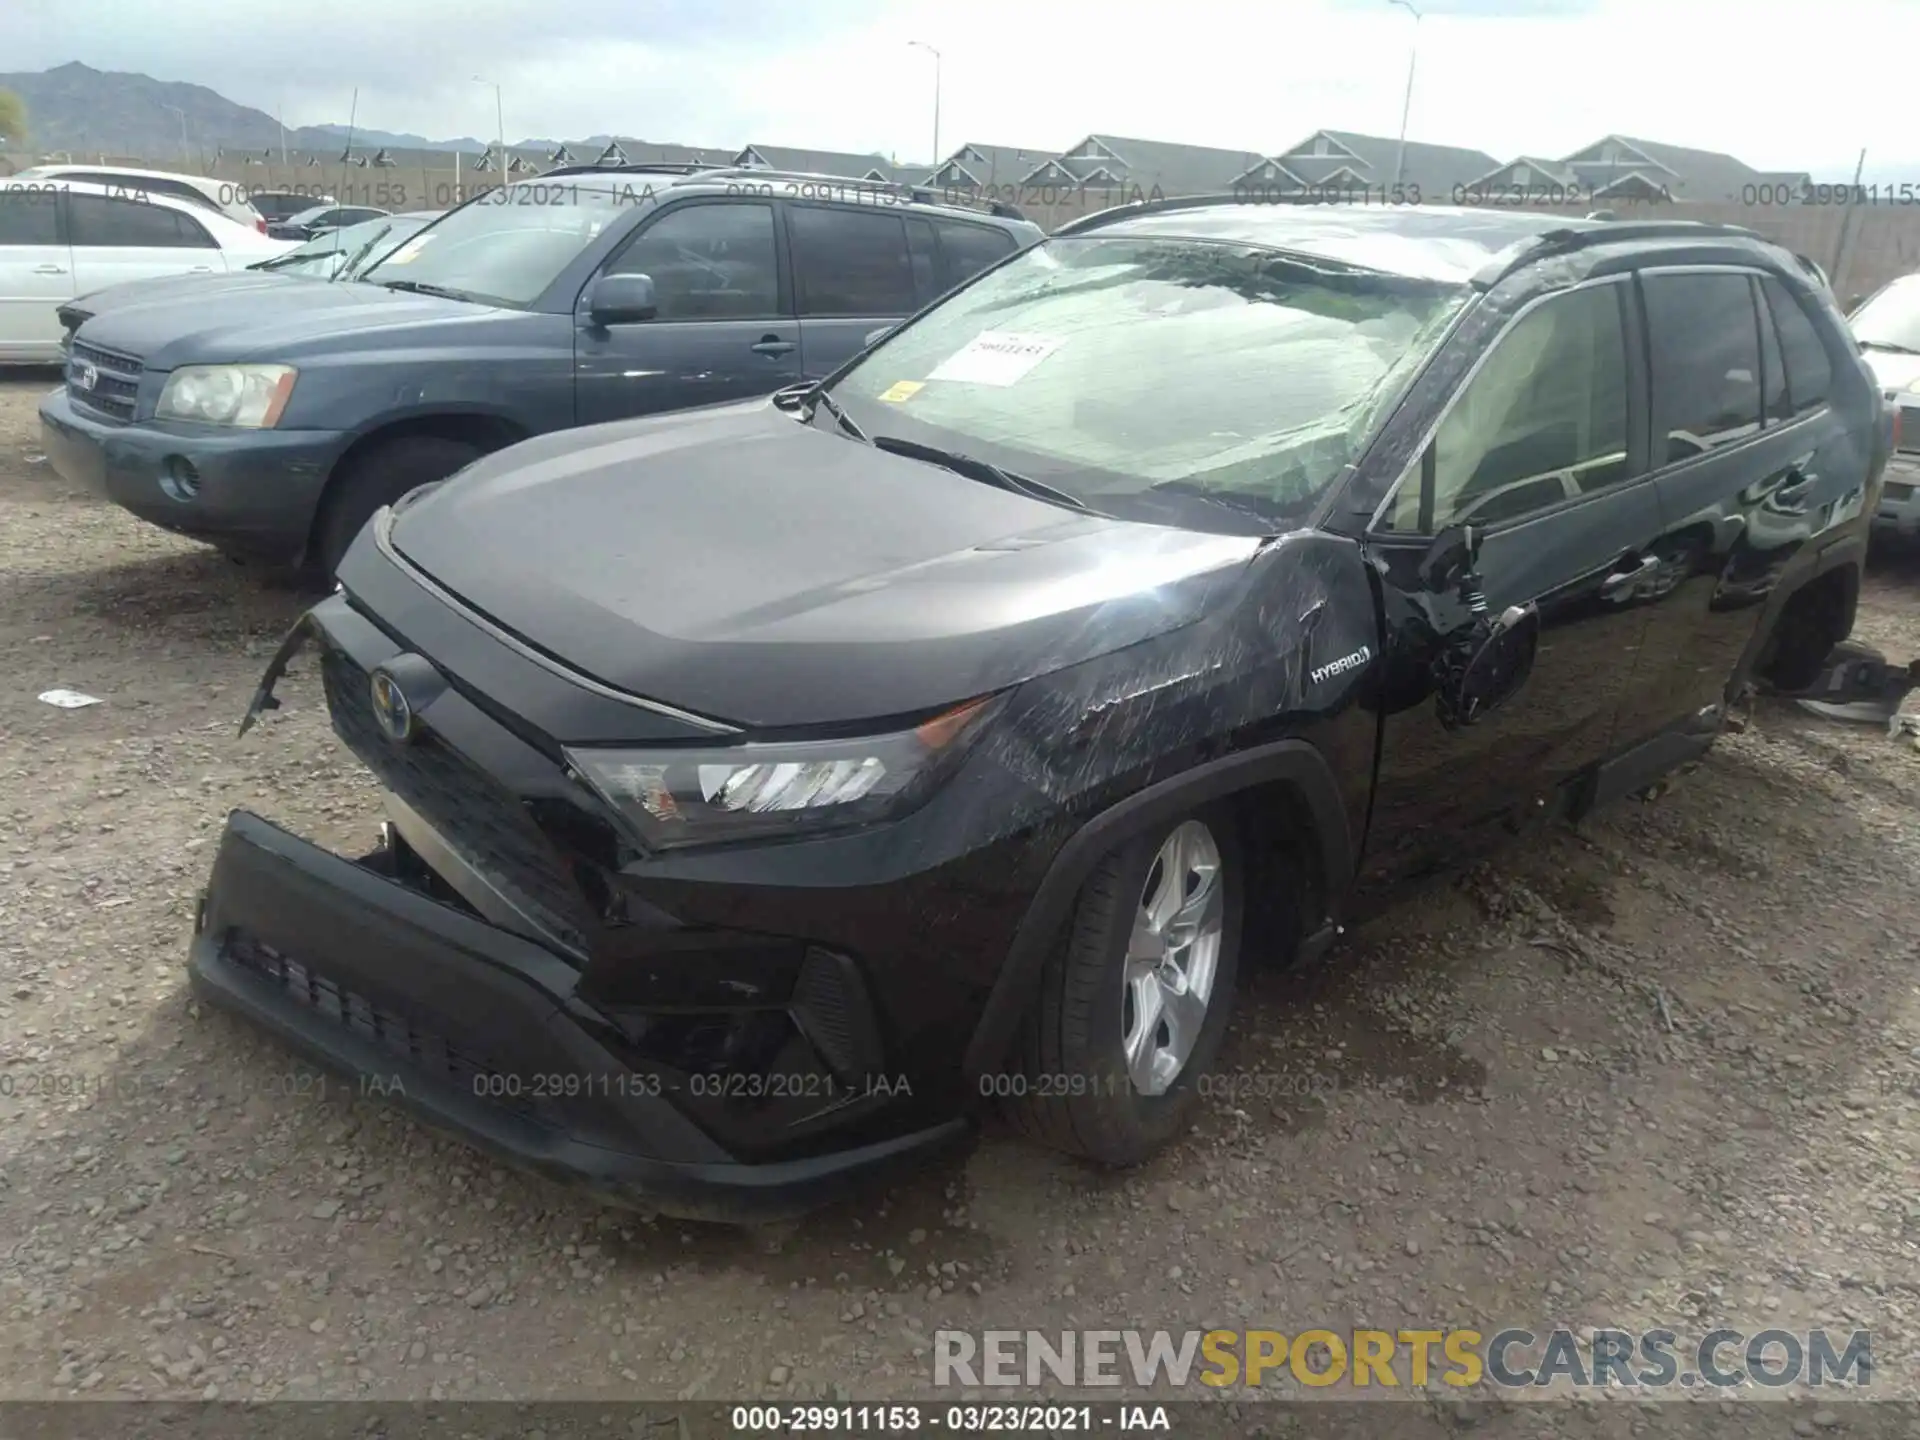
(1542, 451)
(725, 328)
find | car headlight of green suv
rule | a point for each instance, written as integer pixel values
(249, 397)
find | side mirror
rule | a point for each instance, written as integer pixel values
(621, 299)
(1489, 667)
(874, 337)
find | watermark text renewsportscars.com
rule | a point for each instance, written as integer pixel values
(1506, 1360)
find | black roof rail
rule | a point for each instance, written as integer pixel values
(918, 194)
(1608, 232)
(632, 167)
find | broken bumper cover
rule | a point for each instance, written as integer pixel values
(467, 1026)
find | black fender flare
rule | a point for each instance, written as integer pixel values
(1848, 550)
(1294, 761)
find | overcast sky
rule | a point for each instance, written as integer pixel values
(1782, 87)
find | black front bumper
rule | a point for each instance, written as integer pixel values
(477, 1031)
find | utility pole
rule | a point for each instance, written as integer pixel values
(186, 159)
(500, 127)
(1406, 104)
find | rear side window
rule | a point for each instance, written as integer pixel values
(969, 249)
(30, 216)
(1542, 421)
(850, 262)
(1704, 338)
(1809, 371)
(109, 220)
(708, 262)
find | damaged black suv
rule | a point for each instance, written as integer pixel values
(772, 786)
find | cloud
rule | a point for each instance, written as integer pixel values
(1506, 76)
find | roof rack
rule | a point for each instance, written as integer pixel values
(631, 167)
(918, 194)
(1607, 232)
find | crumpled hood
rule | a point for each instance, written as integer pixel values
(735, 563)
(270, 322)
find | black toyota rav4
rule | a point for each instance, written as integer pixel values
(771, 786)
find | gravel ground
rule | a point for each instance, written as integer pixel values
(1657, 1071)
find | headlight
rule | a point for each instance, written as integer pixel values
(249, 395)
(673, 797)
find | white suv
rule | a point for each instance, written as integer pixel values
(62, 238)
(221, 196)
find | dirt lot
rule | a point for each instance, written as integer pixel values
(1662, 1071)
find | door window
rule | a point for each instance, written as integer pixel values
(1704, 339)
(850, 262)
(1543, 420)
(708, 262)
(1808, 368)
(969, 249)
(109, 220)
(29, 217)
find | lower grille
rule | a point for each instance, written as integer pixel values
(406, 1038)
(103, 380)
(488, 827)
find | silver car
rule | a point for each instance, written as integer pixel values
(1887, 327)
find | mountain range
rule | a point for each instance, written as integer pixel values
(78, 109)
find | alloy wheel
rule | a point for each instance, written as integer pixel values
(1173, 952)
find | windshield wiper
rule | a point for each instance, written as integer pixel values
(1888, 345)
(984, 471)
(360, 254)
(841, 418)
(421, 287)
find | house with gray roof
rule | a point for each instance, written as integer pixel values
(1620, 167)
(877, 168)
(1118, 162)
(973, 167)
(1346, 160)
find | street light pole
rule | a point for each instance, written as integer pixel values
(1406, 105)
(500, 129)
(922, 45)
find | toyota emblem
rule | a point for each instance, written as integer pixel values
(390, 708)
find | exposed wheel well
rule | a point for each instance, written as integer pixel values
(1286, 883)
(1816, 617)
(489, 432)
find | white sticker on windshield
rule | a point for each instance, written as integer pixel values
(995, 357)
(409, 251)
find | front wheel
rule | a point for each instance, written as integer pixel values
(380, 477)
(1134, 1003)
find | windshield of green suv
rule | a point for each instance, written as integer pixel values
(1161, 379)
(508, 245)
(1891, 319)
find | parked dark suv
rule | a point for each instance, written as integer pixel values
(771, 786)
(274, 420)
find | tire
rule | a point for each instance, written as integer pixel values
(380, 477)
(1073, 1089)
